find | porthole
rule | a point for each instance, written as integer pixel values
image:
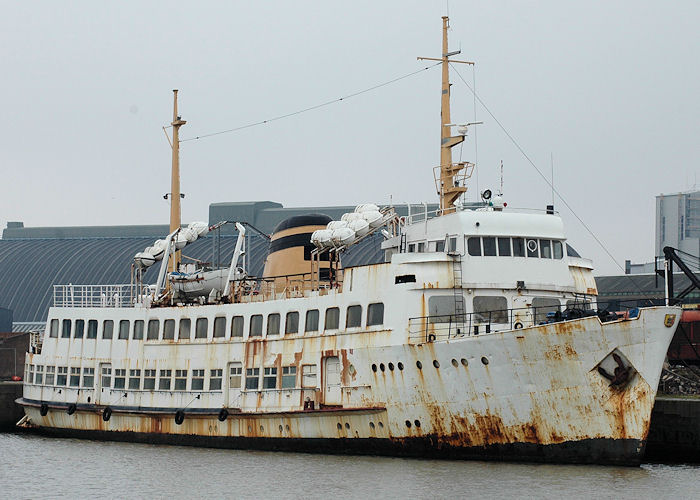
(262, 429)
(351, 370)
(281, 428)
(374, 367)
(436, 364)
(464, 362)
(371, 425)
(381, 425)
(408, 424)
(485, 360)
(391, 366)
(455, 363)
(400, 365)
(347, 425)
(419, 365)
(250, 428)
(339, 426)
(287, 427)
(417, 422)
(381, 367)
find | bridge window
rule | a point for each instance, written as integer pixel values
(543, 305)
(180, 380)
(169, 329)
(237, 326)
(164, 380)
(138, 329)
(518, 247)
(62, 377)
(490, 309)
(375, 314)
(504, 247)
(39, 376)
(66, 329)
(441, 309)
(311, 324)
(215, 377)
(411, 248)
(124, 329)
(354, 317)
(92, 329)
(79, 328)
(184, 330)
(440, 246)
(219, 326)
(50, 372)
(557, 249)
(120, 379)
(532, 248)
(200, 328)
(474, 246)
(332, 318)
(273, 324)
(289, 377)
(421, 247)
(546, 249)
(53, 330)
(107, 329)
(88, 377)
(252, 378)
(256, 322)
(75, 377)
(291, 324)
(149, 379)
(489, 246)
(270, 378)
(197, 380)
(453, 244)
(135, 379)
(153, 327)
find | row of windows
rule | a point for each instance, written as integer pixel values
(433, 246)
(514, 247)
(256, 325)
(175, 380)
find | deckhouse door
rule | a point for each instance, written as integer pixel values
(104, 384)
(332, 380)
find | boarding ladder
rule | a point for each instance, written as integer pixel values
(458, 293)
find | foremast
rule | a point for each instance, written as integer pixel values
(175, 195)
(450, 183)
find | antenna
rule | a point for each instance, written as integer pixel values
(551, 161)
(501, 193)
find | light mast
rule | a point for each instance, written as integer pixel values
(448, 183)
(175, 212)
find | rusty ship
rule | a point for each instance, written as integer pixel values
(477, 337)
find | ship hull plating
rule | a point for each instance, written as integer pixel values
(580, 391)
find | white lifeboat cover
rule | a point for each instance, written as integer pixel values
(181, 240)
(343, 236)
(360, 226)
(321, 238)
(190, 234)
(336, 224)
(145, 259)
(157, 250)
(199, 227)
(373, 218)
(366, 207)
(351, 216)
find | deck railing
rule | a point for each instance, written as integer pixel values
(96, 295)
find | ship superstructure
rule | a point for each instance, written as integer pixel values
(476, 338)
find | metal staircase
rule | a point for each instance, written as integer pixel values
(458, 293)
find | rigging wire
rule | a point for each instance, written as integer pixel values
(554, 190)
(311, 108)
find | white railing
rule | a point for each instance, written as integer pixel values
(95, 295)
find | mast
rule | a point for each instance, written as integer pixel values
(448, 183)
(175, 212)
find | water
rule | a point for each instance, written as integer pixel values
(37, 467)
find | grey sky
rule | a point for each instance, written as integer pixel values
(609, 88)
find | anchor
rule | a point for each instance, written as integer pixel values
(621, 374)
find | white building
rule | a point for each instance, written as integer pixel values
(678, 222)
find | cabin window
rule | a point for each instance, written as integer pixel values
(541, 306)
(270, 378)
(215, 377)
(518, 247)
(92, 329)
(504, 247)
(149, 379)
(273, 324)
(489, 246)
(74, 377)
(119, 379)
(289, 377)
(256, 322)
(546, 249)
(124, 329)
(440, 246)
(39, 375)
(332, 318)
(153, 327)
(354, 317)
(53, 330)
(375, 314)
(421, 247)
(65, 333)
(405, 278)
(79, 328)
(184, 330)
(311, 324)
(197, 380)
(441, 309)
(490, 309)
(180, 380)
(252, 378)
(411, 248)
(200, 328)
(135, 379)
(169, 329)
(557, 249)
(88, 377)
(532, 248)
(308, 376)
(62, 376)
(234, 377)
(453, 244)
(164, 379)
(291, 324)
(50, 373)
(219, 326)
(474, 246)
(29, 375)
(237, 326)
(138, 329)
(106, 377)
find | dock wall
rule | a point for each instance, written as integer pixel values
(674, 434)
(10, 412)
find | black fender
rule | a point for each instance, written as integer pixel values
(71, 409)
(43, 409)
(106, 414)
(223, 415)
(179, 417)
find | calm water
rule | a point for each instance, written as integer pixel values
(37, 467)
